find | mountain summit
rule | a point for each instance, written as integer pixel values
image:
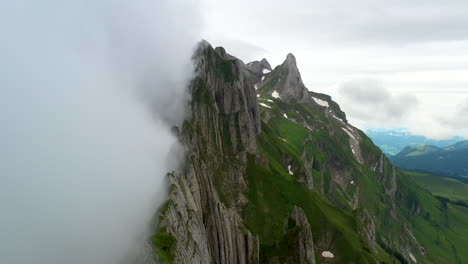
(286, 81)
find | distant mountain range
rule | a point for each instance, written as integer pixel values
(451, 161)
(393, 141)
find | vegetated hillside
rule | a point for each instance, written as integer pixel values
(274, 173)
(451, 189)
(451, 161)
(393, 142)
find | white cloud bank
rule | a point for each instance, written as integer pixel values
(369, 104)
(368, 100)
(82, 159)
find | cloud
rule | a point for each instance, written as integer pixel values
(460, 119)
(342, 23)
(88, 92)
(369, 101)
(239, 48)
(367, 91)
(369, 104)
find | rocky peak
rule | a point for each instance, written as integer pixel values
(227, 81)
(221, 51)
(265, 64)
(290, 66)
(290, 60)
(288, 81)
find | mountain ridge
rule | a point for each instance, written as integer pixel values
(450, 161)
(393, 142)
(275, 174)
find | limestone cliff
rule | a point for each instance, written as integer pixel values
(221, 132)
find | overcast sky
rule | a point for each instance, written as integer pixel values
(388, 63)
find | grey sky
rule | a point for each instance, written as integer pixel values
(85, 139)
(411, 48)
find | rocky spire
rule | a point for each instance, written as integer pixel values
(289, 83)
(265, 64)
(290, 59)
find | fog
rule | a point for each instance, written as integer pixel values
(88, 93)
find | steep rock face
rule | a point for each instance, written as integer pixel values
(305, 243)
(222, 130)
(297, 243)
(307, 178)
(367, 229)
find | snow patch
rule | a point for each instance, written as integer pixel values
(269, 100)
(339, 119)
(309, 127)
(258, 95)
(275, 94)
(320, 101)
(413, 258)
(290, 171)
(327, 254)
(285, 115)
(352, 182)
(256, 87)
(350, 134)
(266, 71)
(283, 139)
(263, 78)
(264, 105)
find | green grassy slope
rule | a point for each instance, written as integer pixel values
(438, 227)
(273, 193)
(444, 187)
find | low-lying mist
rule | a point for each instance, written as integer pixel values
(88, 93)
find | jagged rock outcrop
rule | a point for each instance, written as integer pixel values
(297, 241)
(307, 178)
(222, 130)
(287, 81)
(367, 228)
(259, 68)
(304, 243)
